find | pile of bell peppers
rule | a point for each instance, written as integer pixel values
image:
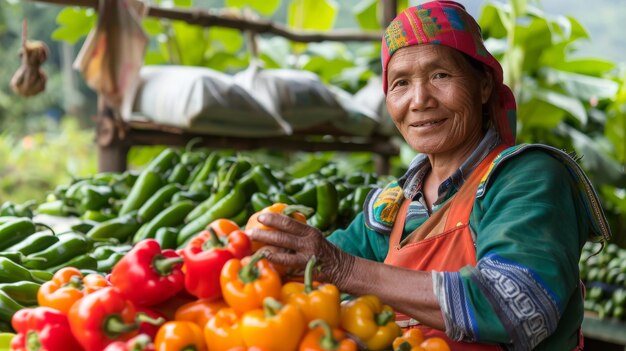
(214, 294)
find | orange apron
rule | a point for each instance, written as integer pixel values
(443, 243)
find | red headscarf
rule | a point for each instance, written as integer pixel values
(447, 23)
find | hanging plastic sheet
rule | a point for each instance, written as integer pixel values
(113, 53)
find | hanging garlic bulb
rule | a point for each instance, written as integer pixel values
(30, 79)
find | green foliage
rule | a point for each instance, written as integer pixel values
(37, 162)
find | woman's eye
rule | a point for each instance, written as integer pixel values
(402, 82)
(440, 75)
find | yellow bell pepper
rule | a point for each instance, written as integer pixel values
(199, 311)
(223, 331)
(370, 321)
(179, 336)
(276, 327)
(322, 302)
(410, 340)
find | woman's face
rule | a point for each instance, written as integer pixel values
(435, 98)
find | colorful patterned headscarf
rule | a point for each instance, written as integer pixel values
(447, 23)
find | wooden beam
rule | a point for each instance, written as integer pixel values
(208, 18)
(390, 9)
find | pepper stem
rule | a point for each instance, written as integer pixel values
(214, 240)
(32, 341)
(308, 274)
(249, 272)
(114, 326)
(328, 341)
(144, 318)
(164, 265)
(384, 317)
(404, 346)
(271, 306)
(189, 348)
(305, 210)
(74, 282)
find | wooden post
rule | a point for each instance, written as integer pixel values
(390, 8)
(112, 150)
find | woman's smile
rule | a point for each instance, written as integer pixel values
(429, 124)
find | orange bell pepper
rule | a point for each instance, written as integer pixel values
(322, 302)
(276, 327)
(372, 322)
(435, 344)
(179, 336)
(297, 212)
(199, 311)
(409, 341)
(67, 286)
(251, 348)
(245, 283)
(321, 337)
(223, 331)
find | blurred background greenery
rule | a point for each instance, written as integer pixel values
(564, 62)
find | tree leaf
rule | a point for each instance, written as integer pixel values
(539, 114)
(312, 14)
(264, 7)
(590, 67)
(74, 23)
(192, 42)
(581, 86)
(230, 40)
(565, 102)
(492, 21)
(366, 13)
(274, 51)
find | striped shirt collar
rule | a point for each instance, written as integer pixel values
(411, 181)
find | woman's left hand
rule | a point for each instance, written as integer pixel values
(292, 243)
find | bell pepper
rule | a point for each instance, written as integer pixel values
(372, 322)
(199, 311)
(297, 212)
(246, 283)
(141, 342)
(180, 336)
(148, 328)
(103, 317)
(251, 348)
(147, 275)
(435, 343)
(322, 302)
(321, 337)
(223, 331)
(410, 340)
(67, 286)
(277, 327)
(42, 328)
(206, 254)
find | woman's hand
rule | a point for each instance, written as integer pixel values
(292, 243)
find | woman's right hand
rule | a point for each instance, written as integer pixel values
(292, 243)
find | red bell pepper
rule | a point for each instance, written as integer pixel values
(147, 275)
(206, 254)
(104, 317)
(42, 328)
(141, 342)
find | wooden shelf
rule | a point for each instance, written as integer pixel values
(607, 330)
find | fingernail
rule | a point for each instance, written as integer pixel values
(262, 218)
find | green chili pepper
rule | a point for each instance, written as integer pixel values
(195, 196)
(264, 178)
(164, 161)
(179, 174)
(69, 246)
(102, 252)
(156, 202)
(356, 178)
(84, 261)
(16, 257)
(206, 168)
(41, 275)
(327, 206)
(223, 190)
(169, 217)
(106, 265)
(260, 201)
(6, 219)
(226, 207)
(8, 307)
(345, 206)
(73, 192)
(328, 170)
(295, 185)
(11, 272)
(166, 237)
(53, 208)
(23, 292)
(34, 243)
(242, 217)
(15, 231)
(84, 226)
(307, 196)
(342, 190)
(94, 197)
(360, 195)
(147, 184)
(118, 229)
(283, 198)
(97, 216)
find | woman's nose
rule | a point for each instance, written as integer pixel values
(421, 98)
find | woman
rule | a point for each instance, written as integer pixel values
(479, 241)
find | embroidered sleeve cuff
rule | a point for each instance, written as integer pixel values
(457, 315)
